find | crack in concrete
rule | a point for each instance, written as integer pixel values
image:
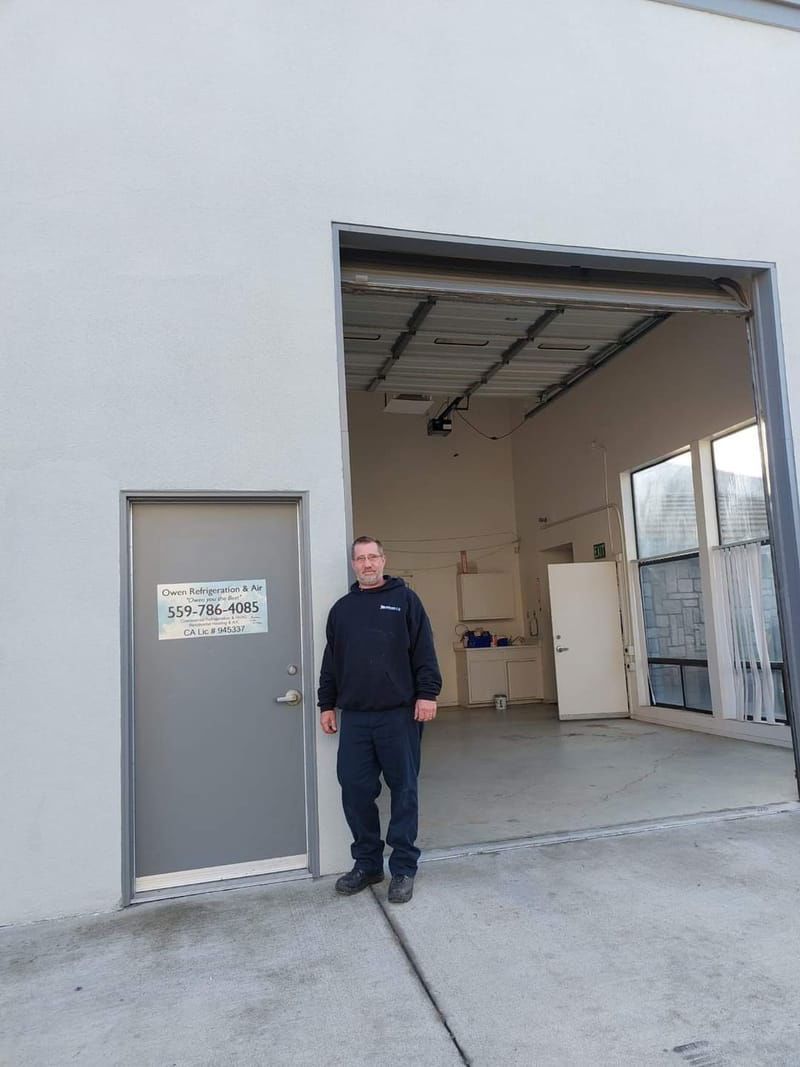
(635, 781)
(539, 739)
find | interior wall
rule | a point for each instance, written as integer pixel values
(427, 498)
(689, 378)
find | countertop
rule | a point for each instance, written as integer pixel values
(530, 642)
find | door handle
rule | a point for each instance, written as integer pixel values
(292, 697)
(561, 648)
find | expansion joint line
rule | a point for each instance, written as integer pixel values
(415, 966)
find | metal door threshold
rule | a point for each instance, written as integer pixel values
(563, 837)
(218, 886)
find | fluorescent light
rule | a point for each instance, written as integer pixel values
(554, 346)
(408, 404)
(460, 342)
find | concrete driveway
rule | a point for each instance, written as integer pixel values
(668, 947)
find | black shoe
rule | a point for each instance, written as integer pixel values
(356, 880)
(401, 888)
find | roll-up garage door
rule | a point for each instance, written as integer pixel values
(456, 328)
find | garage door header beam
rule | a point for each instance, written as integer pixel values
(460, 280)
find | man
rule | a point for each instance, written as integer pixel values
(380, 670)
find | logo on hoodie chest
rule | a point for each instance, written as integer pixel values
(390, 607)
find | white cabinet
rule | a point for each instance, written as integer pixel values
(524, 679)
(487, 677)
(485, 596)
(484, 672)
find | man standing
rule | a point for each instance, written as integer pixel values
(380, 670)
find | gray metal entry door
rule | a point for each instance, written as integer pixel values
(218, 775)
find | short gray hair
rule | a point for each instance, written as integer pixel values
(365, 540)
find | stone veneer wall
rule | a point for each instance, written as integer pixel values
(673, 609)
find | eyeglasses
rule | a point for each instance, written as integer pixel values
(367, 559)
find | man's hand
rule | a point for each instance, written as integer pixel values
(425, 710)
(327, 720)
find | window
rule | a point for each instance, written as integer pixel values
(739, 485)
(669, 576)
(663, 496)
(745, 574)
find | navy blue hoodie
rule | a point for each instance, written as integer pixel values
(380, 653)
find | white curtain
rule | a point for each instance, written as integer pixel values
(740, 574)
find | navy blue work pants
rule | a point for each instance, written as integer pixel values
(371, 743)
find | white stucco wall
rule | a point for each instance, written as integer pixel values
(169, 178)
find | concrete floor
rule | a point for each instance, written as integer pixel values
(490, 776)
(668, 947)
(287, 974)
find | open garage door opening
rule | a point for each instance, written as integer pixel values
(569, 466)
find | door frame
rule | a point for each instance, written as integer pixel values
(767, 368)
(127, 499)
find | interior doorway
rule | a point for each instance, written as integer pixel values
(514, 405)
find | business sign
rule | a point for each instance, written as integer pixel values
(212, 609)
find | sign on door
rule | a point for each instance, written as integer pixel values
(212, 609)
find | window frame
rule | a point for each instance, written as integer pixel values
(672, 557)
(666, 660)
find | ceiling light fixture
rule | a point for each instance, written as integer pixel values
(559, 347)
(460, 342)
(407, 403)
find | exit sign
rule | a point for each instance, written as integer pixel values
(600, 550)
